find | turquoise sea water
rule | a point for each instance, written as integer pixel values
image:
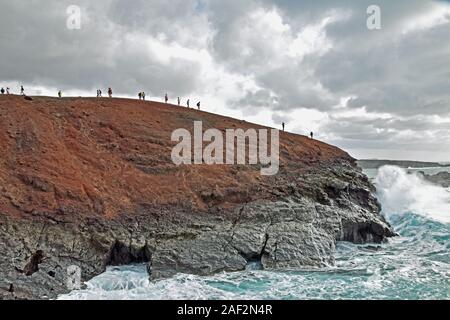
(415, 265)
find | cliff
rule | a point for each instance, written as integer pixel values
(90, 182)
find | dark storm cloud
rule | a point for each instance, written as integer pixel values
(402, 76)
(38, 48)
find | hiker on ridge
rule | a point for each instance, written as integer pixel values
(312, 135)
(22, 91)
(188, 102)
(110, 92)
(179, 101)
(140, 95)
(143, 96)
(7, 90)
(283, 125)
(2, 91)
(198, 105)
(166, 98)
(60, 93)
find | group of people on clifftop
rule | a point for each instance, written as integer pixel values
(3, 91)
(8, 90)
(141, 96)
(99, 93)
(188, 102)
(283, 125)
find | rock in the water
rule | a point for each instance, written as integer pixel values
(441, 178)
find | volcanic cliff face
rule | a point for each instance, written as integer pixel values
(90, 182)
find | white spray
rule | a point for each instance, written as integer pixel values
(400, 192)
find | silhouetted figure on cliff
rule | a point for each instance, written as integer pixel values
(140, 95)
(179, 101)
(2, 91)
(283, 125)
(198, 105)
(99, 93)
(60, 93)
(7, 90)
(143, 95)
(166, 98)
(188, 102)
(312, 135)
(22, 91)
(110, 92)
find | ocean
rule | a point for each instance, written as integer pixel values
(415, 265)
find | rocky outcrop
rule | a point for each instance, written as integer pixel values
(441, 178)
(89, 182)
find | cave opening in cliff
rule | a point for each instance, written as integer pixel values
(122, 254)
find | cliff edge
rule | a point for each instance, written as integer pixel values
(90, 182)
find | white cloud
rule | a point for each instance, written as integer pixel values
(438, 14)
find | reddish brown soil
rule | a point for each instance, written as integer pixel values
(105, 156)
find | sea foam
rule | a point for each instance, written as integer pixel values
(401, 192)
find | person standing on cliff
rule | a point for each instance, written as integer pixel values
(283, 125)
(143, 95)
(166, 98)
(2, 91)
(312, 135)
(22, 91)
(198, 105)
(188, 102)
(60, 93)
(110, 92)
(7, 90)
(140, 95)
(179, 101)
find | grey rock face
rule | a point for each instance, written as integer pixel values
(441, 178)
(298, 229)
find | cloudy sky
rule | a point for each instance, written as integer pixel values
(312, 64)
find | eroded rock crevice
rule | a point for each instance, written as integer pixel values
(123, 254)
(33, 265)
(365, 232)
